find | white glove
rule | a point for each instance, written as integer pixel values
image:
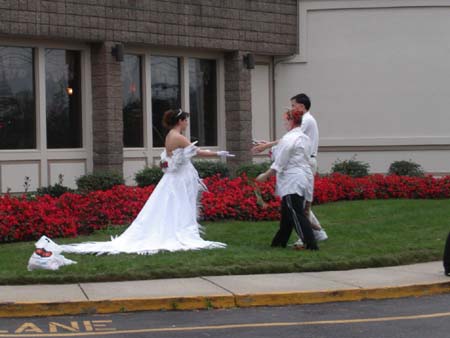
(224, 154)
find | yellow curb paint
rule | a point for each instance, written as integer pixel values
(114, 306)
(314, 297)
(8, 310)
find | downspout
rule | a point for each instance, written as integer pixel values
(275, 61)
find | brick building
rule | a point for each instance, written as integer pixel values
(84, 83)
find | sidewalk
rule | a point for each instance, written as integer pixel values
(224, 291)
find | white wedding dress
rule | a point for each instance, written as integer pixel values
(168, 220)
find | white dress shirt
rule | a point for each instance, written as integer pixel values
(292, 164)
(309, 127)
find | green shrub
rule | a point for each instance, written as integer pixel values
(351, 168)
(148, 176)
(99, 181)
(53, 190)
(211, 168)
(152, 175)
(252, 169)
(405, 168)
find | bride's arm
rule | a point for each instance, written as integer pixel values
(206, 153)
(183, 142)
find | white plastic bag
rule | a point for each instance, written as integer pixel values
(47, 256)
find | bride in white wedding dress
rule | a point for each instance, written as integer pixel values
(168, 220)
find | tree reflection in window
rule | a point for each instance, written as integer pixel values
(166, 92)
(203, 101)
(133, 122)
(17, 98)
(63, 98)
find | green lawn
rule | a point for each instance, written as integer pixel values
(361, 234)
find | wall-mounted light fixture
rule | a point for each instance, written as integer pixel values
(117, 52)
(249, 61)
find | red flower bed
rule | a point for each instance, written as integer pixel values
(71, 214)
(23, 218)
(339, 187)
(235, 198)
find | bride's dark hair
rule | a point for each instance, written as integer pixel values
(172, 116)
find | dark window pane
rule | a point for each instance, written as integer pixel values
(203, 101)
(63, 94)
(166, 93)
(133, 122)
(17, 102)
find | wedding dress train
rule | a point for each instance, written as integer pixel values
(168, 220)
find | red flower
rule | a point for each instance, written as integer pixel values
(24, 218)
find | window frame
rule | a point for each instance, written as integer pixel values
(143, 100)
(81, 98)
(41, 154)
(35, 93)
(150, 153)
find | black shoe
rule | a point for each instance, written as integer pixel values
(313, 246)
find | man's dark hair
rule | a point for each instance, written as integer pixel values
(302, 99)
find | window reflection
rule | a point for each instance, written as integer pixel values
(133, 122)
(166, 93)
(17, 99)
(63, 98)
(203, 101)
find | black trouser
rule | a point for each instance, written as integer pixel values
(293, 217)
(447, 255)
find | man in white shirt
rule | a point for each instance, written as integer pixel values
(302, 103)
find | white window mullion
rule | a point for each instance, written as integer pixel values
(185, 104)
(41, 114)
(86, 107)
(147, 107)
(221, 137)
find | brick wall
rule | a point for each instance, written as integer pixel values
(235, 26)
(107, 121)
(258, 26)
(238, 121)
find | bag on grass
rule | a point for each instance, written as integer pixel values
(47, 256)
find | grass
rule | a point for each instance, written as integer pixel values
(361, 234)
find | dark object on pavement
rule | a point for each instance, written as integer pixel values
(447, 256)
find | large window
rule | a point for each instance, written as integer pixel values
(17, 99)
(63, 98)
(166, 92)
(203, 101)
(133, 122)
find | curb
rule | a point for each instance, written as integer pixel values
(43, 309)
(317, 297)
